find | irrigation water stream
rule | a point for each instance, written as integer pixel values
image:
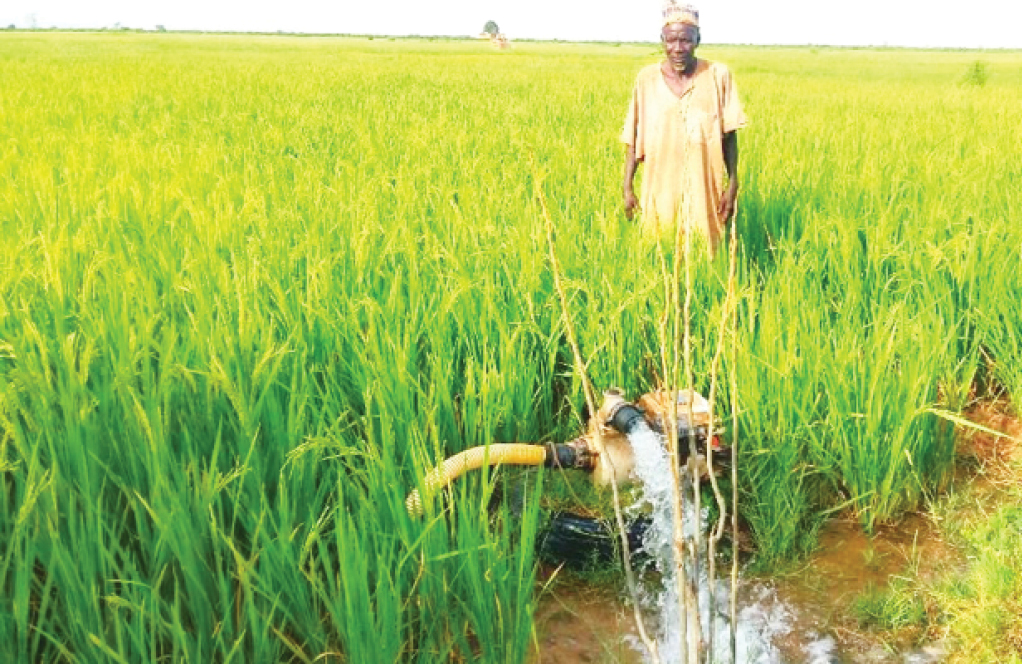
(758, 621)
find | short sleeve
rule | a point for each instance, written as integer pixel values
(731, 113)
(628, 131)
(631, 133)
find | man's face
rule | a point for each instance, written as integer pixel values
(680, 41)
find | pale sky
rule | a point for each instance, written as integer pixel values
(937, 23)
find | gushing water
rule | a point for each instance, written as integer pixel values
(758, 622)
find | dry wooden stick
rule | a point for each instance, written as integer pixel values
(730, 313)
(734, 445)
(694, 637)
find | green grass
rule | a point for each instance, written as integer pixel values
(980, 606)
(252, 287)
(891, 608)
(969, 600)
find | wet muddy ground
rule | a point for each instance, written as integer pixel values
(588, 624)
(581, 622)
(848, 564)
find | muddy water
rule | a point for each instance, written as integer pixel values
(590, 624)
(578, 623)
(847, 564)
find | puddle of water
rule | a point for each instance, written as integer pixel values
(847, 564)
(800, 618)
(579, 623)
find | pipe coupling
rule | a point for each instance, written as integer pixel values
(576, 454)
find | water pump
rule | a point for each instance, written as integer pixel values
(604, 450)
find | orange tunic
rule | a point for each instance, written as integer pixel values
(679, 141)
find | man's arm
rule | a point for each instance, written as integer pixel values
(728, 201)
(631, 163)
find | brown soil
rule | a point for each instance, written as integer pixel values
(998, 451)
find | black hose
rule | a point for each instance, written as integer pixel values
(584, 543)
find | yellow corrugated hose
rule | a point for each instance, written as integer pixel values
(517, 454)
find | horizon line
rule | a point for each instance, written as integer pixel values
(552, 40)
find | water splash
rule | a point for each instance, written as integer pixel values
(763, 616)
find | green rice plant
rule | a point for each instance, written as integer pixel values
(1004, 326)
(893, 608)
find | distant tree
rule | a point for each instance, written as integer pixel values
(491, 28)
(160, 28)
(976, 74)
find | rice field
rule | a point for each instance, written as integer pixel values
(253, 287)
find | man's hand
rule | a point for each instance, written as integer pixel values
(631, 163)
(729, 201)
(630, 203)
(726, 209)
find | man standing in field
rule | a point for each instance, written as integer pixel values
(682, 124)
